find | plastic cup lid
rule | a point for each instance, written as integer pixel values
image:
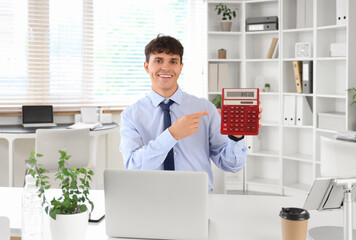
(298, 214)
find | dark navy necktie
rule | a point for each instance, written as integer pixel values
(169, 161)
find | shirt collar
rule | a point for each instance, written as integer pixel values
(157, 99)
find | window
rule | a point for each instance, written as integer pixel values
(91, 52)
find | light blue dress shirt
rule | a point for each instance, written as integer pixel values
(144, 144)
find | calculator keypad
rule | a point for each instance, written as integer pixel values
(239, 120)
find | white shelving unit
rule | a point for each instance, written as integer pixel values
(284, 159)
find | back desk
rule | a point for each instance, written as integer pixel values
(11, 133)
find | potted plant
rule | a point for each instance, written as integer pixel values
(69, 213)
(227, 16)
(267, 87)
(352, 91)
(217, 101)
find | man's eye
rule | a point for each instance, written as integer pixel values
(174, 62)
(158, 61)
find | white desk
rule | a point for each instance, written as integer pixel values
(13, 132)
(232, 217)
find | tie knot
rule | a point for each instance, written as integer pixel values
(166, 106)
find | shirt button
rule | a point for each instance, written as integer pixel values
(175, 153)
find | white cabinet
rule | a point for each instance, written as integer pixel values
(285, 158)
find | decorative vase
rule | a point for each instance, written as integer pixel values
(267, 89)
(226, 26)
(69, 226)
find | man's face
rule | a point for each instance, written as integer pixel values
(164, 70)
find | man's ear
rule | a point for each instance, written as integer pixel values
(145, 64)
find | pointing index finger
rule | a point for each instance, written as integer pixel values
(199, 114)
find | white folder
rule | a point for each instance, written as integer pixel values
(292, 101)
(252, 144)
(285, 110)
(222, 76)
(341, 12)
(307, 72)
(213, 77)
(304, 113)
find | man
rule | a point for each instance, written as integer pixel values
(194, 136)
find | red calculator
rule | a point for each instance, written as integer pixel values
(239, 111)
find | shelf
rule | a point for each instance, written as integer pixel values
(259, 1)
(325, 130)
(297, 126)
(297, 94)
(331, 58)
(264, 153)
(224, 60)
(330, 96)
(332, 27)
(298, 30)
(299, 157)
(263, 181)
(269, 93)
(299, 186)
(262, 32)
(297, 59)
(224, 33)
(263, 60)
(226, 2)
(269, 123)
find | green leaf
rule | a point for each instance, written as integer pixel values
(83, 208)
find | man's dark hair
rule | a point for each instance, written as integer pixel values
(165, 44)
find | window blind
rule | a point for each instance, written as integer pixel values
(71, 53)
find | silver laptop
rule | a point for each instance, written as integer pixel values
(37, 116)
(156, 204)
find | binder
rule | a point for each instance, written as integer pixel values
(307, 76)
(272, 47)
(292, 110)
(213, 77)
(252, 144)
(341, 12)
(304, 113)
(222, 76)
(297, 68)
(286, 110)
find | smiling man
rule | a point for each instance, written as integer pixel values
(172, 130)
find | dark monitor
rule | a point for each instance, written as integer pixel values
(37, 114)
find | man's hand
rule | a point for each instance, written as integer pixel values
(187, 125)
(259, 117)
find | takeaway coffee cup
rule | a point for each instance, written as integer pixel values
(294, 223)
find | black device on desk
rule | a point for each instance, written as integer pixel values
(37, 116)
(239, 111)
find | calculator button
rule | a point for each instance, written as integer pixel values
(232, 107)
(254, 112)
(232, 111)
(248, 128)
(225, 129)
(248, 112)
(236, 120)
(253, 116)
(237, 111)
(242, 112)
(224, 124)
(231, 120)
(253, 128)
(230, 129)
(236, 129)
(225, 111)
(225, 120)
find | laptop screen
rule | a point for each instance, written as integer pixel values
(37, 114)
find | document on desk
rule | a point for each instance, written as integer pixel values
(80, 125)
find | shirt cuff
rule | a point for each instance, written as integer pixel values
(166, 140)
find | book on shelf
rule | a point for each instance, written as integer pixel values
(297, 68)
(276, 49)
(307, 76)
(213, 77)
(272, 47)
(222, 76)
(218, 73)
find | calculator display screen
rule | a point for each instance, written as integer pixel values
(240, 94)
